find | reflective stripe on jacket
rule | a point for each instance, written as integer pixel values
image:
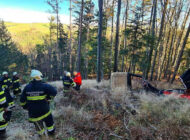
(35, 98)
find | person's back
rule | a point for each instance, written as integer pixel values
(16, 84)
(4, 114)
(37, 93)
(6, 83)
(35, 98)
(67, 82)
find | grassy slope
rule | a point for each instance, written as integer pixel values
(98, 113)
(28, 35)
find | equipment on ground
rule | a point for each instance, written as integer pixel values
(182, 93)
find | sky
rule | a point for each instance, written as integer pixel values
(30, 11)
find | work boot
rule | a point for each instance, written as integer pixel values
(51, 134)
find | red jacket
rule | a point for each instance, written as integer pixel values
(78, 79)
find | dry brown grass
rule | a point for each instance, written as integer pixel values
(98, 113)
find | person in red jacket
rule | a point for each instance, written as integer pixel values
(77, 79)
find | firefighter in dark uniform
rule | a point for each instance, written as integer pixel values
(16, 84)
(4, 113)
(35, 98)
(6, 83)
(67, 82)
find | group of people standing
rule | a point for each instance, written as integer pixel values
(69, 82)
(35, 98)
(6, 99)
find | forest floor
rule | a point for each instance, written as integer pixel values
(98, 113)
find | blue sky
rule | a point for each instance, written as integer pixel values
(37, 5)
(27, 11)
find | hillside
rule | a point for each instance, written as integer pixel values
(28, 35)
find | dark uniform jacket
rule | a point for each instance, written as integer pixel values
(16, 83)
(67, 83)
(6, 83)
(35, 98)
(3, 100)
(3, 106)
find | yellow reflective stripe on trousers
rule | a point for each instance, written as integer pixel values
(16, 89)
(2, 99)
(16, 81)
(41, 132)
(11, 103)
(22, 104)
(51, 128)
(4, 86)
(2, 92)
(34, 98)
(2, 127)
(39, 118)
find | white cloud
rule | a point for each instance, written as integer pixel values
(27, 16)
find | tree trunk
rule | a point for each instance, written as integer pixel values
(180, 36)
(181, 54)
(153, 35)
(99, 58)
(125, 38)
(80, 38)
(112, 32)
(117, 37)
(173, 39)
(70, 41)
(160, 37)
(162, 56)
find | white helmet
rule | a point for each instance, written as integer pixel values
(5, 73)
(15, 73)
(68, 74)
(36, 74)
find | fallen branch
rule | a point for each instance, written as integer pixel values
(115, 135)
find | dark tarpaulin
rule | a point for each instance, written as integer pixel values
(185, 78)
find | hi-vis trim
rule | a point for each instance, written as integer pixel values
(39, 118)
(4, 86)
(16, 81)
(2, 92)
(2, 102)
(67, 83)
(3, 127)
(16, 89)
(3, 99)
(51, 128)
(23, 104)
(41, 132)
(34, 98)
